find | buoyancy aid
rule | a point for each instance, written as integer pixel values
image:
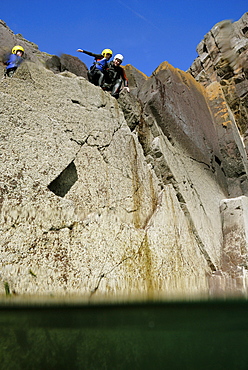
(14, 61)
(100, 64)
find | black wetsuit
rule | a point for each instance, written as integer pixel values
(96, 72)
(114, 77)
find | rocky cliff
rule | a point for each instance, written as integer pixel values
(144, 196)
(223, 57)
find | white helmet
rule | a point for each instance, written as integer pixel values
(119, 56)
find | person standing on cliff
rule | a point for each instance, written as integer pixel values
(97, 71)
(115, 75)
(14, 60)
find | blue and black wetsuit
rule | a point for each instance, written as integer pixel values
(13, 62)
(97, 70)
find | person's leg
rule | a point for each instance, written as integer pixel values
(11, 71)
(100, 78)
(96, 77)
(106, 86)
(117, 88)
(90, 76)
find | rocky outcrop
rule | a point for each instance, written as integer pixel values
(135, 77)
(76, 151)
(190, 138)
(32, 53)
(67, 63)
(8, 39)
(144, 196)
(223, 57)
(74, 65)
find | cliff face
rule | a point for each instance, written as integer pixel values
(144, 196)
(223, 57)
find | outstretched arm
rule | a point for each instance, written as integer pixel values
(98, 56)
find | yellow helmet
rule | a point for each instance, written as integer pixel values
(107, 51)
(17, 48)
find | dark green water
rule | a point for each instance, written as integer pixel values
(177, 335)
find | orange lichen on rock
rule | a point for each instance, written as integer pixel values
(220, 108)
(185, 77)
(129, 67)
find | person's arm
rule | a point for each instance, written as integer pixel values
(98, 56)
(125, 79)
(11, 60)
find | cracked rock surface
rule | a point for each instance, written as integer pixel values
(80, 207)
(145, 196)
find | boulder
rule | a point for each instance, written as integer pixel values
(135, 77)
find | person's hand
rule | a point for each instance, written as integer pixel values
(81, 51)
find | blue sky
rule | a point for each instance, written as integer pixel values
(145, 32)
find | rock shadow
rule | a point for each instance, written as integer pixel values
(65, 180)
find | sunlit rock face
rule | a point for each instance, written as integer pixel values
(135, 197)
(223, 57)
(192, 142)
